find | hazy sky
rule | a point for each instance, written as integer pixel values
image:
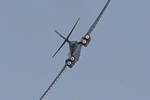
(115, 65)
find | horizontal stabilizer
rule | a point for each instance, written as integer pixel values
(60, 35)
(66, 39)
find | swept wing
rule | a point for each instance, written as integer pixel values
(97, 19)
(55, 80)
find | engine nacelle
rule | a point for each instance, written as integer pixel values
(70, 62)
(86, 40)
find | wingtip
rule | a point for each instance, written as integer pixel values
(78, 18)
(55, 31)
(53, 56)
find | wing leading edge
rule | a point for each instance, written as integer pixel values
(97, 19)
(65, 66)
(55, 80)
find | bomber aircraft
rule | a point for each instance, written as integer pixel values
(75, 48)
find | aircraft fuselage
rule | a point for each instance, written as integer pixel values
(75, 49)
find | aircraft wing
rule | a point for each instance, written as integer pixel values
(55, 80)
(97, 19)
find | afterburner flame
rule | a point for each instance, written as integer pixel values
(87, 36)
(72, 58)
(84, 41)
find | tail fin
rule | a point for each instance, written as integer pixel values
(66, 39)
